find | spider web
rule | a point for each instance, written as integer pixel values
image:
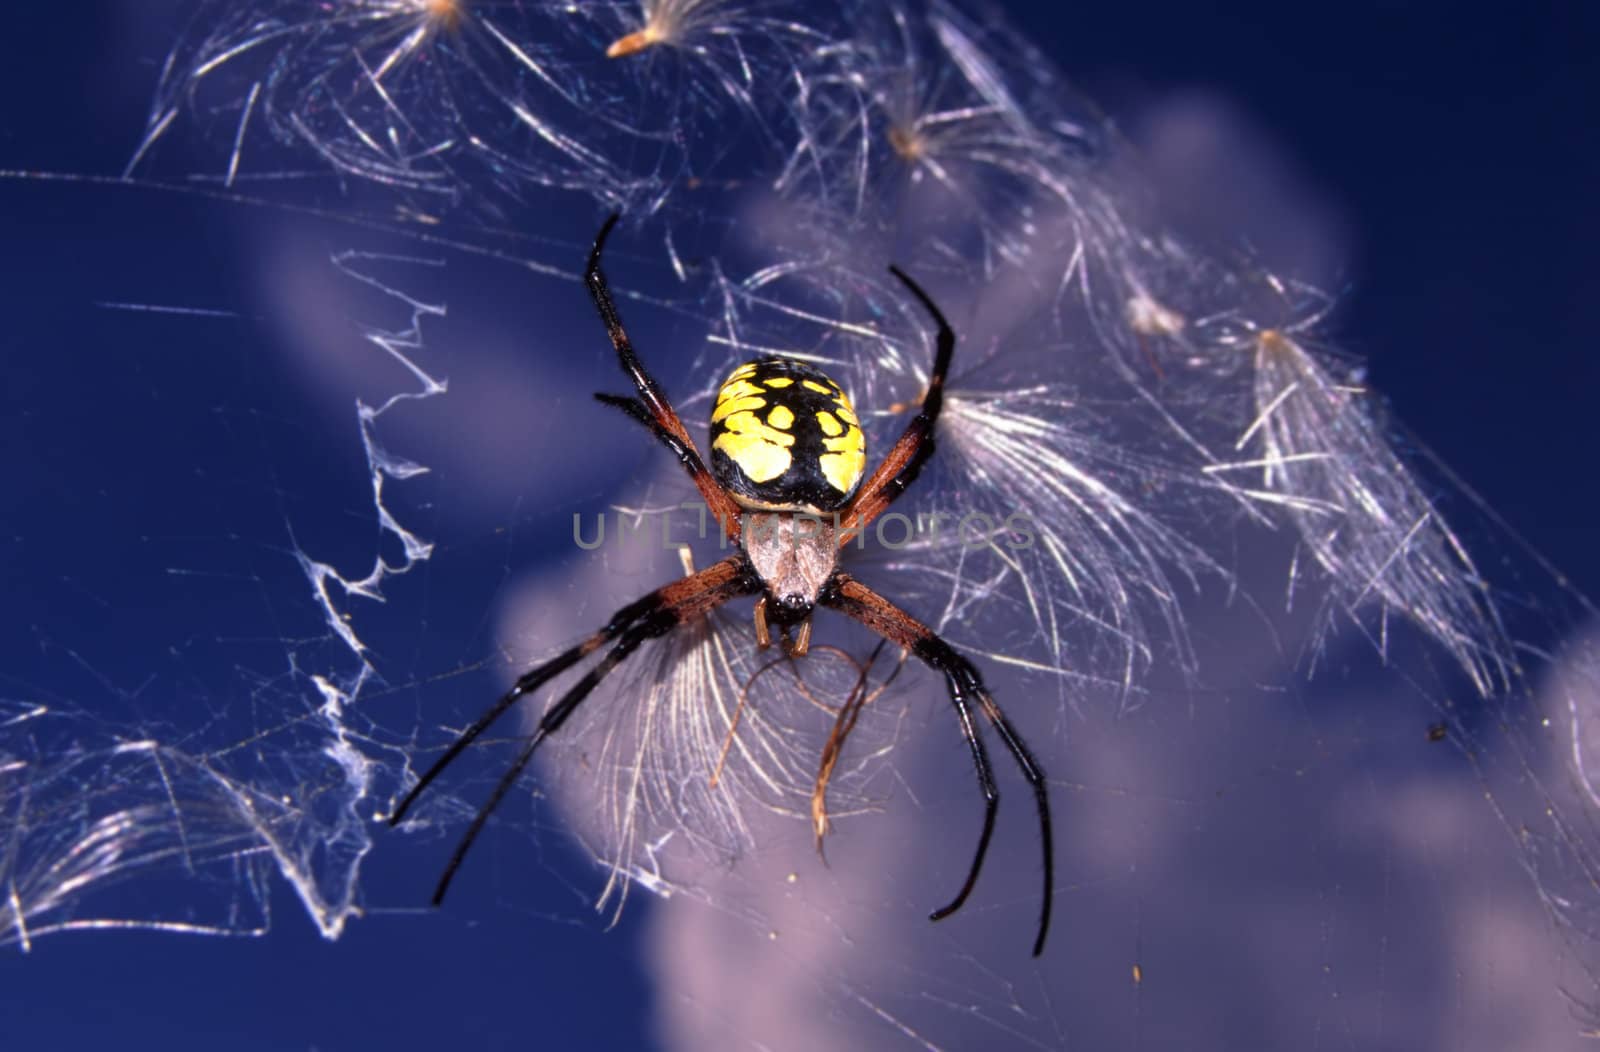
(306, 438)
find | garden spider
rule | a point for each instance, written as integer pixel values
(787, 489)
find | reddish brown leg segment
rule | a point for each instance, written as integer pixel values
(651, 408)
(856, 600)
(912, 449)
(645, 618)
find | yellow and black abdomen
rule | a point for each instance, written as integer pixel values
(784, 438)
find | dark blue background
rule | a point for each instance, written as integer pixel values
(1458, 145)
(1458, 142)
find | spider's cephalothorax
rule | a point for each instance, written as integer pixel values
(784, 438)
(785, 483)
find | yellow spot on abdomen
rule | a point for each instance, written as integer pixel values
(737, 405)
(846, 444)
(781, 417)
(738, 387)
(778, 381)
(761, 452)
(738, 395)
(843, 470)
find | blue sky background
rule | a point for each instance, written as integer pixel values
(1453, 161)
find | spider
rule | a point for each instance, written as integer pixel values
(785, 484)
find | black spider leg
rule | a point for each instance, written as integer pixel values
(857, 601)
(647, 617)
(649, 628)
(687, 456)
(911, 450)
(652, 408)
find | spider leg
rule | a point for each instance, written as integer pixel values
(857, 601)
(912, 449)
(687, 455)
(654, 614)
(549, 724)
(652, 408)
